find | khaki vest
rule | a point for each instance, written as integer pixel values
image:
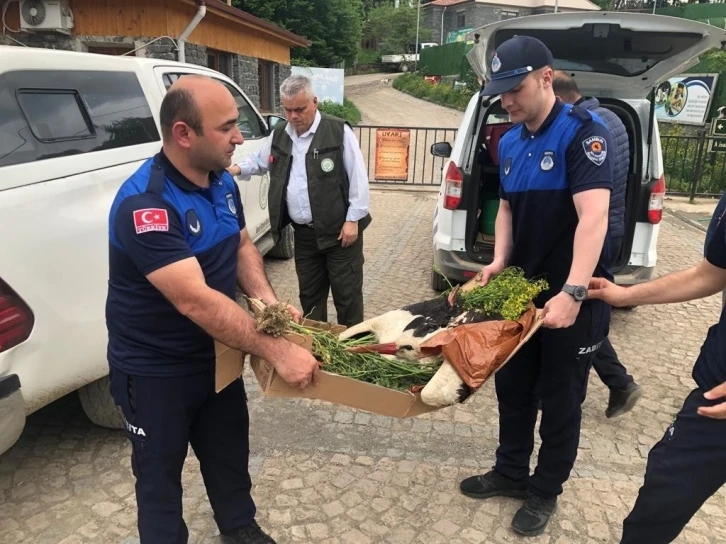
(328, 184)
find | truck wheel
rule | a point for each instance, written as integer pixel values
(99, 406)
(403, 67)
(438, 282)
(285, 248)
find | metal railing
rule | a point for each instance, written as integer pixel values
(690, 168)
(424, 169)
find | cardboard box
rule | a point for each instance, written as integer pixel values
(354, 393)
(332, 387)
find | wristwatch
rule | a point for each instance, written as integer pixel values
(578, 292)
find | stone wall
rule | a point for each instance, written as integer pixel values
(281, 73)
(245, 72)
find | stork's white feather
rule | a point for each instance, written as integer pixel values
(443, 388)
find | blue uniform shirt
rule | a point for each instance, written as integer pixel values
(157, 218)
(540, 172)
(710, 368)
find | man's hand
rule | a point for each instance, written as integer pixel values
(560, 311)
(296, 365)
(349, 233)
(296, 314)
(603, 289)
(718, 411)
(490, 270)
(234, 169)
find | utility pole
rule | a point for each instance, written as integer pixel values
(418, 21)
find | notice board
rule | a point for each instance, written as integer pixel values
(392, 147)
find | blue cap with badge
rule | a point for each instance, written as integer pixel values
(514, 60)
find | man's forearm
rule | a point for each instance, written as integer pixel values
(251, 276)
(503, 241)
(223, 319)
(587, 247)
(699, 281)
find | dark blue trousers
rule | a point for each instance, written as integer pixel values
(163, 416)
(611, 371)
(555, 364)
(685, 468)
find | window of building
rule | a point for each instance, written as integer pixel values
(115, 50)
(219, 61)
(508, 15)
(267, 88)
(460, 19)
(85, 111)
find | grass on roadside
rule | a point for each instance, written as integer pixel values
(347, 110)
(443, 94)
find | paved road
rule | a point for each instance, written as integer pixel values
(381, 104)
(326, 474)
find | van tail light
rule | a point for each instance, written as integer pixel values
(655, 204)
(452, 187)
(16, 319)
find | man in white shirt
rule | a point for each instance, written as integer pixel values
(319, 184)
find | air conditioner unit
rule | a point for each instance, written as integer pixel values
(52, 15)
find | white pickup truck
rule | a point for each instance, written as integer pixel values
(74, 127)
(405, 61)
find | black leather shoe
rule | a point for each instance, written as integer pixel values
(534, 515)
(249, 534)
(623, 400)
(493, 484)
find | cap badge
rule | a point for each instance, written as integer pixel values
(496, 63)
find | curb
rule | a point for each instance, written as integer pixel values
(686, 219)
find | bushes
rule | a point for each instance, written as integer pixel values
(443, 93)
(346, 110)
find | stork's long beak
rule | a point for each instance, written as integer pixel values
(384, 349)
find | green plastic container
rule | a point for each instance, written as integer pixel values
(488, 217)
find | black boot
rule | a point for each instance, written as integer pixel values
(249, 534)
(623, 400)
(534, 515)
(493, 484)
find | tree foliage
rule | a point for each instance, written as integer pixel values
(394, 29)
(333, 26)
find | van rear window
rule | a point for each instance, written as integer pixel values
(56, 113)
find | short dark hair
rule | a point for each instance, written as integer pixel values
(563, 85)
(179, 105)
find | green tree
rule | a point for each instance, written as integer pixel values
(394, 29)
(333, 26)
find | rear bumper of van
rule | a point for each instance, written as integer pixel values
(12, 412)
(459, 268)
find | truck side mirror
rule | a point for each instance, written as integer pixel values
(273, 120)
(441, 149)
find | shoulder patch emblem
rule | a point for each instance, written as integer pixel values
(151, 219)
(595, 149)
(230, 203)
(193, 223)
(507, 165)
(548, 161)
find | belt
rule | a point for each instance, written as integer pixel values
(308, 225)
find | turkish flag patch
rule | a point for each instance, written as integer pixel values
(151, 219)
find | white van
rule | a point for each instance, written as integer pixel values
(74, 127)
(616, 57)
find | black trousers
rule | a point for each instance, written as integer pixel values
(164, 415)
(609, 368)
(685, 468)
(555, 365)
(319, 271)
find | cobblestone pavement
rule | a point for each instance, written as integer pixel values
(326, 474)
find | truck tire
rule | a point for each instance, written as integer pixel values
(285, 248)
(438, 282)
(403, 67)
(99, 406)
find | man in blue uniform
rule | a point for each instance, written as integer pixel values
(556, 179)
(688, 464)
(178, 251)
(624, 392)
